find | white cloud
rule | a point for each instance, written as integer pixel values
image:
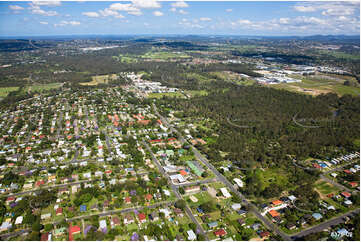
(47, 3)
(91, 14)
(43, 12)
(146, 24)
(329, 8)
(35, 9)
(181, 11)
(15, 7)
(244, 21)
(157, 13)
(146, 3)
(123, 7)
(229, 10)
(338, 11)
(64, 23)
(43, 23)
(108, 12)
(173, 9)
(205, 19)
(305, 8)
(342, 18)
(180, 4)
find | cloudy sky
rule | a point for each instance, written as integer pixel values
(21, 18)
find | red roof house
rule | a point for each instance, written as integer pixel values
(220, 232)
(142, 217)
(44, 237)
(59, 211)
(346, 194)
(73, 230)
(148, 197)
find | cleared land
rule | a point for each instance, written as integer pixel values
(4, 91)
(164, 55)
(43, 87)
(318, 84)
(96, 80)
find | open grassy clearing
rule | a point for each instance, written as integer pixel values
(166, 94)
(43, 87)
(164, 55)
(325, 188)
(96, 80)
(339, 54)
(194, 93)
(272, 175)
(316, 85)
(4, 91)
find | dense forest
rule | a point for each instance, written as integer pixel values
(256, 123)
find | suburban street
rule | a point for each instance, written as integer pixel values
(175, 190)
(125, 210)
(221, 178)
(325, 225)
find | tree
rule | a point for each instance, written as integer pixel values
(180, 204)
(48, 227)
(193, 226)
(37, 226)
(181, 190)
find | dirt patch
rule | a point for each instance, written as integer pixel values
(212, 191)
(313, 92)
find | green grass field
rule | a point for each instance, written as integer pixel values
(164, 55)
(43, 87)
(339, 54)
(166, 94)
(326, 188)
(96, 80)
(315, 85)
(4, 91)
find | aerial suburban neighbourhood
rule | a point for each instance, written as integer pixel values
(193, 136)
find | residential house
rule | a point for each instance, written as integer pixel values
(142, 218)
(128, 219)
(191, 235)
(220, 232)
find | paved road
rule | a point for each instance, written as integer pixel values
(221, 178)
(16, 233)
(175, 190)
(323, 177)
(105, 213)
(320, 227)
(125, 210)
(341, 167)
(197, 182)
(49, 187)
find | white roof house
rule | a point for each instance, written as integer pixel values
(87, 175)
(225, 192)
(19, 220)
(236, 206)
(238, 181)
(178, 177)
(191, 235)
(102, 224)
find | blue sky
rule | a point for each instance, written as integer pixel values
(19, 18)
